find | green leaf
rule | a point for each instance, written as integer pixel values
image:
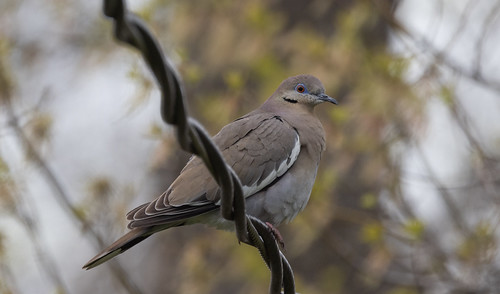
(234, 80)
(415, 229)
(447, 95)
(368, 201)
(372, 233)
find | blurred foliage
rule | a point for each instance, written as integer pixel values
(7, 188)
(358, 233)
(6, 82)
(39, 127)
(415, 229)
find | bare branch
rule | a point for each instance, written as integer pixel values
(62, 196)
(439, 56)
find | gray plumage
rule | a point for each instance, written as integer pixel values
(275, 151)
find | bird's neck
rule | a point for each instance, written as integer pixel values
(283, 107)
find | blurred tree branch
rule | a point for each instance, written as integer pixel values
(59, 192)
(373, 225)
(440, 56)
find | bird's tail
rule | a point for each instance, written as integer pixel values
(119, 246)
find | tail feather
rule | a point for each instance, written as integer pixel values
(119, 246)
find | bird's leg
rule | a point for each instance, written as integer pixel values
(277, 235)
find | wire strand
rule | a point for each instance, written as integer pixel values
(192, 137)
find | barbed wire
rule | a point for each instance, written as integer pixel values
(192, 137)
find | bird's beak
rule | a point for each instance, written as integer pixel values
(326, 98)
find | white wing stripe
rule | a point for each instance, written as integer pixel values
(283, 167)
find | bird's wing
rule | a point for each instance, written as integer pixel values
(260, 147)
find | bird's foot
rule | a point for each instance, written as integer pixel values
(277, 235)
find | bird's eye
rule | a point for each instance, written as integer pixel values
(301, 88)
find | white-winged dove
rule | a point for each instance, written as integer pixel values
(275, 151)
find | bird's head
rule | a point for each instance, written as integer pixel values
(301, 91)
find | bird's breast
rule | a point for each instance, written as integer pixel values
(282, 201)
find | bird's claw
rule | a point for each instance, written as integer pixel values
(277, 235)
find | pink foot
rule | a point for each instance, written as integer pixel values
(277, 235)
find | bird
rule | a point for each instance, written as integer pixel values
(275, 151)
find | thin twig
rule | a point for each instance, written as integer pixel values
(62, 196)
(439, 56)
(485, 30)
(46, 261)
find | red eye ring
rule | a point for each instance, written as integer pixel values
(300, 89)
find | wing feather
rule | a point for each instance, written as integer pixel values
(259, 147)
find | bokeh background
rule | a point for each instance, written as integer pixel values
(407, 196)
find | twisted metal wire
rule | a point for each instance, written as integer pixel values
(192, 137)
